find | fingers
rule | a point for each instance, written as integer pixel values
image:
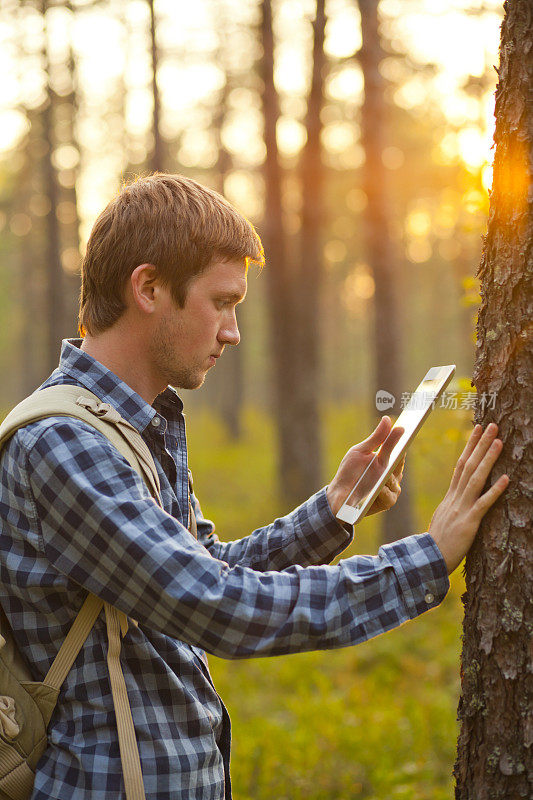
(457, 518)
(474, 438)
(387, 497)
(393, 485)
(478, 478)
(477, 455)
(377, 437)
(392, 491)
(398, 469)
(392, 440)
(488, 499)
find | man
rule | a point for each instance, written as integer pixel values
(165, 267)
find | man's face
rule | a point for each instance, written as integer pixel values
(187, 341)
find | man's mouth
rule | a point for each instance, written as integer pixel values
(213, 357)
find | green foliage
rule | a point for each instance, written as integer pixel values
(376, 721)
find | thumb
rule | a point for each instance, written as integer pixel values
(377, 437)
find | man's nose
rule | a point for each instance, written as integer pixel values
(229, 333)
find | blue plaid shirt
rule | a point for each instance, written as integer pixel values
(76, 518)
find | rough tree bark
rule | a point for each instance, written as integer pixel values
(382, 258)
(495, 710)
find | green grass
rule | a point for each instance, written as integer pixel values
(375, 721)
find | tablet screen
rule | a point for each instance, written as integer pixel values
(376, 473)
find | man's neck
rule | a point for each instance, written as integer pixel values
(123, 355)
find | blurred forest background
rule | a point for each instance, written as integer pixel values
(356, 135)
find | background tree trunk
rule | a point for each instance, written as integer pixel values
(280, 280)
(496, 739)
(54, 271)
(69, 217)
(30, 276)
(382, 259)
(228, 382)
(157, 158)
(311, 272)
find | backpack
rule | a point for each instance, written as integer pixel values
(26, 706)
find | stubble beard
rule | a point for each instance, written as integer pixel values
(163, 356)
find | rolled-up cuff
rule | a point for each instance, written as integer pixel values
(421, 571)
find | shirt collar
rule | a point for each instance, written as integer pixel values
(99, 380)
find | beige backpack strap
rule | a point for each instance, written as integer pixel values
(129, 750)
(116, 624)
(74, 640)
(75, 401)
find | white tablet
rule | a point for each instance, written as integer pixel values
(376, 475)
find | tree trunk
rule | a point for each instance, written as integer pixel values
(462, 270)
(157, 160)
(29, 268)
(398, 522)
(54, 271)
(495, 710)
(311, 271)
(229, 381)
(280, 282)
(70, 223)
(231, 394)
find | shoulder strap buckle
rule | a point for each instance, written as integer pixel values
(103, 410)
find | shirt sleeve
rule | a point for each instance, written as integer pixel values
(99, 527)
(308, 536)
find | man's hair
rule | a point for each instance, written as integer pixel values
(169, 221)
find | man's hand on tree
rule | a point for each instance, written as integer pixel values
(457, 518)
(355, 462)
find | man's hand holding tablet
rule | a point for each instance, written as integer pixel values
(361, 462)
(379, 472)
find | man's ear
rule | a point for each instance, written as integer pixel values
(142, 284)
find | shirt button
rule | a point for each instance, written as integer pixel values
(156, 422)
(429, 598)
